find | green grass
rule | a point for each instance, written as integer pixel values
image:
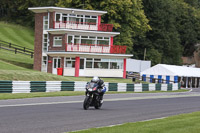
(16, 60)
(17, 34)
(4, 96)
(31, 75)
(184, 123)
(7, 66)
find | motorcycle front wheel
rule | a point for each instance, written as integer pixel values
(98, 105)
(86, 103)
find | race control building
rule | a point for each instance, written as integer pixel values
(76, 41)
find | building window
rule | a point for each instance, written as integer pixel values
(116, 64)
(76, 19)
(88, 40)
(58, 16)
(45, 22)
(100, 63)
(45, 42)
(89, 62)
(44, 63)
(57, 41)
(70, 62)
(104, 63)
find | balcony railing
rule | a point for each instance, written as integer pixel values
(82, 26)
(93, 48)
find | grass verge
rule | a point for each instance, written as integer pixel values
(184, 123)
(17, 34)
(31, 75)
(4, 96)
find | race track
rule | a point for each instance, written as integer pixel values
(63, 114)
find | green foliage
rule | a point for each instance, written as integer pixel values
(154, 56)
(127, 16)
(17, 10)
(175, 31)
(168, 29)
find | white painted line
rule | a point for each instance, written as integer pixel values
(114, 99)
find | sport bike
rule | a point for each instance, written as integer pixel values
(92, 97)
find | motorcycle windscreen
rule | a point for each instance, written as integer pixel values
(92, 85)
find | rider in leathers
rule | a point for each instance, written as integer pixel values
(101, 86)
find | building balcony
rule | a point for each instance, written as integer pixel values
(94, 48)
(82, 26)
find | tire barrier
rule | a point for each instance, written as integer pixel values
(53, 86)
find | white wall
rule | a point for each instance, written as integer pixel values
(137, 65)
(69, 72)
(102, 72)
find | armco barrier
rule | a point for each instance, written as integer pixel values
(67, 86)
(21, 87)
(6, 86)
(53, 86)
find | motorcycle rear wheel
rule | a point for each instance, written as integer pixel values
(86, 103)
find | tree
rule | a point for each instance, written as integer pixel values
(17, 11)
(127, 16)
(163, 38)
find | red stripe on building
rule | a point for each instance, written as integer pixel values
(99, 22)
(124, 72)
(77, 66)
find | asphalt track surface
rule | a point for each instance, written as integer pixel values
(63, 114)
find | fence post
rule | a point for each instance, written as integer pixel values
(15, 50)
(31, 54)
(24, 49)
(9, 45)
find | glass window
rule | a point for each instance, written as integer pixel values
(72, 20)
(70, 40)
(79, 20)
(90, 21)
(76, 41)
(45, 22)
(88, 64)
(45, 42)
(103, 42)
(87, 41)
(57, 17)
(84, 36)
(116, 64)
(81, 63)
(89, 59)
(57, 41)
(94, 16)
(64, 19)
(101, 65)
(70, 63)
(87, 16)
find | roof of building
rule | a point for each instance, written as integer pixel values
(172, 70)
(84, 54)
(65, 10)
(87, 32)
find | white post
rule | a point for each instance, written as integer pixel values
(186, 86)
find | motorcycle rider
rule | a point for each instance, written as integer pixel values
(101, 86)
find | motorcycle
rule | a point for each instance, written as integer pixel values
(92, 96)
